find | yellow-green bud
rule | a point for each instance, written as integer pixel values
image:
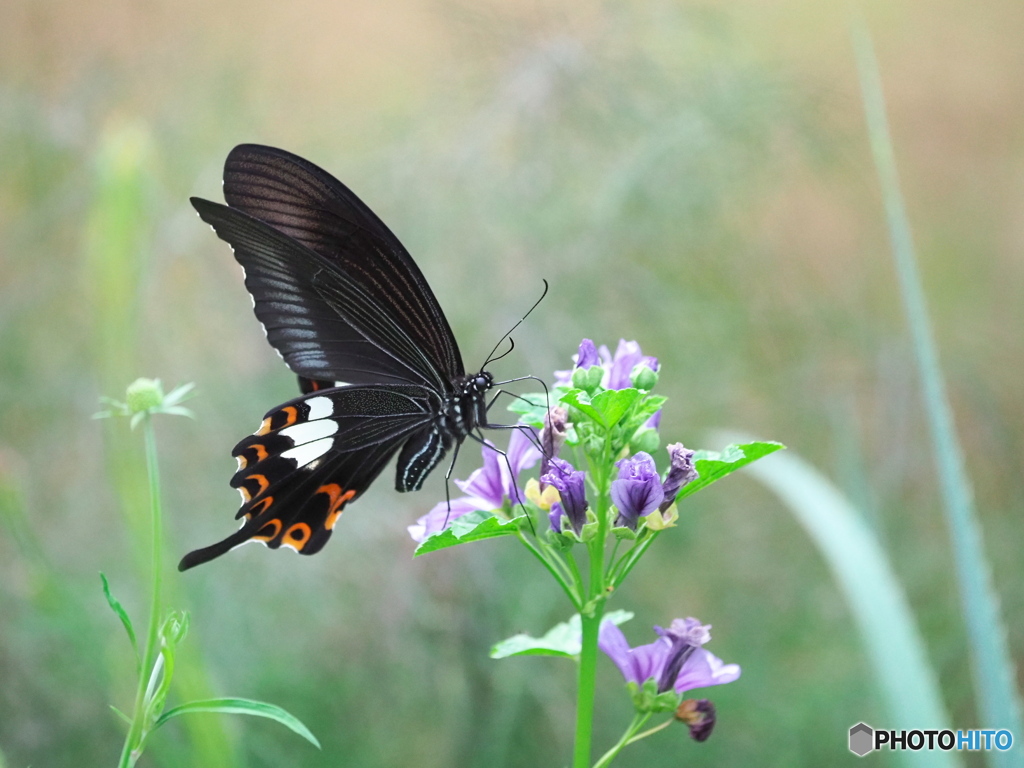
(144, 394)
(643, 377)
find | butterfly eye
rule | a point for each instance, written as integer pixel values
(482, 383)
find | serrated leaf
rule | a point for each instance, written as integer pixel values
(532, 407)
(563, 640)
(474, 526)
(712, 465)
(229, 706)
(122, 614)
(613, 404)
(580, 400)
(650, 406)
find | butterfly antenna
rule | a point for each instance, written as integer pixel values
(490, 358)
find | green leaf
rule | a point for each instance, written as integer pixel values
(562, 640)
(474, 526)
(179, 394)
(712, 466)
(613, 404)
(120, 714)
(122, 614)
(647, 408)
(242, 707)
(580, 400)
(533, 407)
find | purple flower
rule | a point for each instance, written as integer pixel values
(627, 356)
(486, 488)
(676, 660)
(638, 491)
(569, 482)
(679, 474)
(617, 368)
(587, 354)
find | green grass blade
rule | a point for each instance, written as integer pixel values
(122, 614)
(230, 706)
(906, 681)
(998, 699)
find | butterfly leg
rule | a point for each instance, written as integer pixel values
(480, 439)
(447, 483)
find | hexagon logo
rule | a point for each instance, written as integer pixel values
(862, 737)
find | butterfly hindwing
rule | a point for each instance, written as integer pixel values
(313, 455)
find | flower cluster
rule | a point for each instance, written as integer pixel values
(597, 496)
(561, 491)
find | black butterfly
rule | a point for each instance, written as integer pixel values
(349, 311)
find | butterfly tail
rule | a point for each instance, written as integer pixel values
(206, 554)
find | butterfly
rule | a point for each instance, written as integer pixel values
(348, 310)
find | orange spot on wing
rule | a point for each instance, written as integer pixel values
(261, 506)
(261, 451)
(262, 480)
(337, 498)
(291, 414)
(297, 535)
(275, 528)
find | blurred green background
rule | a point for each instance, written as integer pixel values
(692, 175)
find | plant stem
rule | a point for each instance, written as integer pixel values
(627, 738)
(585, 694)
(631, 558)
(591, 624)
(576, 600)
(136, 734)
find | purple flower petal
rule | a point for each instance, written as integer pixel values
(700, 668)
(587, 354)
(570, 484)
(637, 491)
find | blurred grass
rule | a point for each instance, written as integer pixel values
(994, 671)
(693, 176)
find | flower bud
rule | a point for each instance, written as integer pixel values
(144, 394)
(699, 714)
(643, 377)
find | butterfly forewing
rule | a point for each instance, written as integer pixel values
(321, 321)
(309, 205)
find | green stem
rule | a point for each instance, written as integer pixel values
(136, 734)
(574, 569)
(627, 738)
(631, 558)
(650, 731)
(574, 598)
(591, 625)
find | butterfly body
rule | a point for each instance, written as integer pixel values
(341, 301)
